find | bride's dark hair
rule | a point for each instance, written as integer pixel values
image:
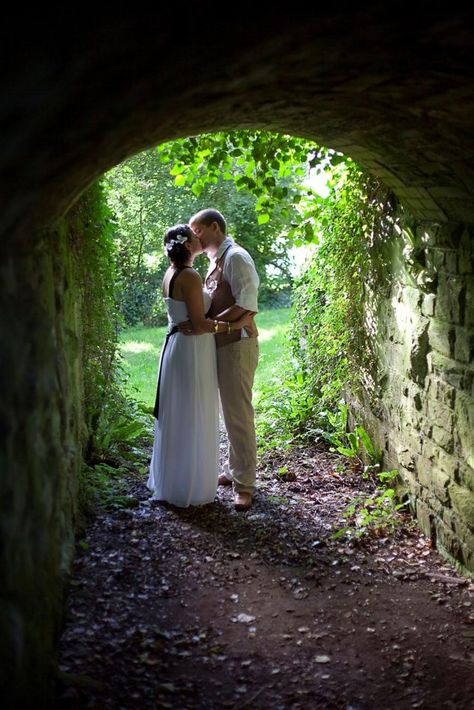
(175, 239)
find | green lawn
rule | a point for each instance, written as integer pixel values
(141, 349)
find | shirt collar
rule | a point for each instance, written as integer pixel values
(226, 243)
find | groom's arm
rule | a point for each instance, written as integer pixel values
(242, 277)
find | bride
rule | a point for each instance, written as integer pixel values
(185, 458)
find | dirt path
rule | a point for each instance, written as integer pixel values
(210, 608)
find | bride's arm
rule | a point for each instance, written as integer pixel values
(245, 319)
(191, 286)
(237, 316)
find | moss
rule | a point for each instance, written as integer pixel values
(62, 335)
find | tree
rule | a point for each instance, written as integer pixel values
(255, 178)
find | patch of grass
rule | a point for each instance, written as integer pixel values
(141, 348)
(273, 344)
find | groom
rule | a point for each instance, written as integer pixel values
(232, 282)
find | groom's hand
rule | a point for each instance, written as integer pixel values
(185, 327)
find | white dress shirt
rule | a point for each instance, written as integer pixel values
(240, 273)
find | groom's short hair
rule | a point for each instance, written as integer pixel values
(209, 216)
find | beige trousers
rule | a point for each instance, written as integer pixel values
(236, 365)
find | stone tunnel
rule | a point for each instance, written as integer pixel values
(81, 93)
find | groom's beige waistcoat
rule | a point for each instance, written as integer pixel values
(222, 298)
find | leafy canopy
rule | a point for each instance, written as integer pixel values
(257, 179)
(272, 167)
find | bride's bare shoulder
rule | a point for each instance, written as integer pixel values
(190, 275)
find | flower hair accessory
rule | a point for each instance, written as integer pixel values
(179, 239)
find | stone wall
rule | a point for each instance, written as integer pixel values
(421, 408)
(41, 434)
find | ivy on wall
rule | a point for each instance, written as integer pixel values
(91, 230)
(332, 332)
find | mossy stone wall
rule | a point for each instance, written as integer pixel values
(42, 432)
(421, 406)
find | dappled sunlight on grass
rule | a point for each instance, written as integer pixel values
(264, 334)
(273, 345)
(132, 346)
(141, 348)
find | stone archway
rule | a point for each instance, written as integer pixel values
(393, 92)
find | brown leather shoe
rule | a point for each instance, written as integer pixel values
(242, 501)
(222, 480)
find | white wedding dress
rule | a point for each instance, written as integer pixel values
(184, 463)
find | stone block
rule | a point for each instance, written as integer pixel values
(451, 262)
(450, 518)
(450, 299)
(427, 428)
(433, 479)
(407, 460)
(442, 337)
(450, 192)
(448, 236)
(466, 261)
(410, 483)
(418, 351)
(425, 519)
(440, 414)
(469, 303)
(394, 359)
(431, 450)
(433, 502)
(464, 344)
(446, 369)
(413, 298)
(449, 464)
(408, 413)
(410, 439)
(448, 540)
(466, 476)
(466, 239)
(443, 438)
(428, 305)
(463, 532)
(468, 558)
(445, 393)
(464, 427)
(436, 259)
(426, 235)
(468, 381)
(462, 500)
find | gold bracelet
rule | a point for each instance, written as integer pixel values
(229, 329)
(216, 326)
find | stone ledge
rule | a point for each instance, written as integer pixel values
(446, 369)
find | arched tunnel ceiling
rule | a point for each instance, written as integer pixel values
(395, 92)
